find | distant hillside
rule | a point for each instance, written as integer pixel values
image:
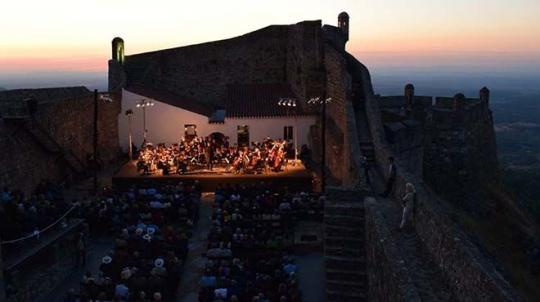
(2, 88)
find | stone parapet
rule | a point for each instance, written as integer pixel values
(472, 275)
(387, 272)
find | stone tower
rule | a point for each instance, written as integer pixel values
(117, 76)
(459, 102)
(343, 24)
(118, 50)
(409, 96)
(484, 95)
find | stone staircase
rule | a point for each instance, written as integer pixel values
(344, 251)
(48, 143)
(368, 150)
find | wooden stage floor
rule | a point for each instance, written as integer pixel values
(296, 178)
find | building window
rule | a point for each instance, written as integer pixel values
(190, 131)
(243, 136)
(288, 133)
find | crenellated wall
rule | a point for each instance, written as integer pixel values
(461, 153)
(471, 274)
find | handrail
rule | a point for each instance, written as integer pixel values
(38, 232)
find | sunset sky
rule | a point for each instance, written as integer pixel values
(75, 35)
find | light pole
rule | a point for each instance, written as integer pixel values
(289, 103)
(97, 97)
(129, 113)
(322, 102)
(143, 104)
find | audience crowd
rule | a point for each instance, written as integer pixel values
(151, 226)
(206, 152)
(250, 244)
(249, 255)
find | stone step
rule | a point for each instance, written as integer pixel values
(344, 220)
(349, 239)
(355, 243)
(339, 296)
(355, 231)
(346, 286)
(346, 210)
(344, 263)
(343, 252)
(339, 198)
(348, 276)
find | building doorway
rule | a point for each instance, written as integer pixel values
(243, 136)
(218, 138)
(190, 132)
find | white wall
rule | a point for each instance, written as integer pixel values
(165, 124)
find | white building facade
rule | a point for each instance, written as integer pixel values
(166, 123)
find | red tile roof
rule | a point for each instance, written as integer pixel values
(241, 100)
(260, 100)
(173, 99)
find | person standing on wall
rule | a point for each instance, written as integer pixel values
(365, 166)
(407, 201)
(81, 250)
(391, 177)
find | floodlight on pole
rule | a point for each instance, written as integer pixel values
(322, 101)
(287, 103)
(143, 104)
(129, 113)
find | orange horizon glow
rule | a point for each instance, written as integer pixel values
(68, 35)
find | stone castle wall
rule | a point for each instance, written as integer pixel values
(341, 139)
(203, 71)
(275, 54)
(71, 124)
(304, 66)
(389, 278)
(472, 275)
(68, 122)
(462, 152)
(24, 162)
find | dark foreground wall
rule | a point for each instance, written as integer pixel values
(35, 148)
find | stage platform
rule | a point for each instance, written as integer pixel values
(296, 178)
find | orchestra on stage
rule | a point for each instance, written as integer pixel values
(197, 154)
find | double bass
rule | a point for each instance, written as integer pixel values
(278, 155)
(237, 162)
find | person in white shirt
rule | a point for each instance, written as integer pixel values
(408, 204)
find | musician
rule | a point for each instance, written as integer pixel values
(205, 152)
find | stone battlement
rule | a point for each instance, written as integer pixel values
(471, 275)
